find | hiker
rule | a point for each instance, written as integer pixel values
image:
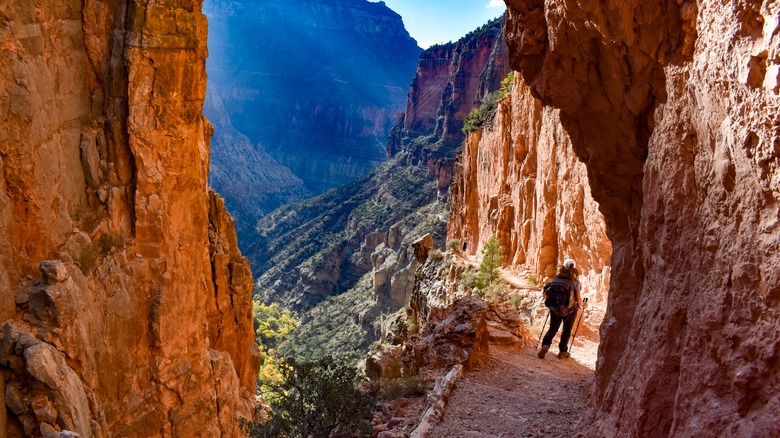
(566, 280)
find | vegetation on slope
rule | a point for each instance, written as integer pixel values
(313, 399)
(300, 244)
(344, 325)
(482, 117)
(312, 260)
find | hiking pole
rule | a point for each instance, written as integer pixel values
(542, 333)
(578, 326)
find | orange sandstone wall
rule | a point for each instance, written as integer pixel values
(139, 322)
(674, 109)
(521, 180)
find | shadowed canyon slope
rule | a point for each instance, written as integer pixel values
(251, 182)
(673, 108)
(125, 303)
(316, 83)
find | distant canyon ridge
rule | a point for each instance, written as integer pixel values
(312, 86)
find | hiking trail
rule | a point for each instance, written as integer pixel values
(516, 394)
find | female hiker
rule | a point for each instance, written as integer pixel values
(562, 295)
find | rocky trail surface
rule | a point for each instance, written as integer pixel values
(516, 394)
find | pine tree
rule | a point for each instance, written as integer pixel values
(492, 260)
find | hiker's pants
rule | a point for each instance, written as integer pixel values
(555, 323)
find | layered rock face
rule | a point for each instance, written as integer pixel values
(125, 303)
(673, 107)
(520, 179)
(317, 83)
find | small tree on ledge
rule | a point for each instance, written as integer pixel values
(492, 260)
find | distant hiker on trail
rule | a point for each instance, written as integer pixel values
(562, 297)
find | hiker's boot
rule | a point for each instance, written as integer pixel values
(564, 355)
(543, 351)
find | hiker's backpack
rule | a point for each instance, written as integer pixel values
(560, 296)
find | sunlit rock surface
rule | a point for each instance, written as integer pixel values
(519, 178)
(125, 305)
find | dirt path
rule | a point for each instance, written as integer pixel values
(516, 394)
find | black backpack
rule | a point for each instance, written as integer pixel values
(559, 295)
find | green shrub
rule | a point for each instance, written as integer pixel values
(468, 280)
(411, 324)
(96, 250)
(454, 245)
(313, 400)
(495, 292)
(482, 117)
(435, 255)
(506, 85)
(488, 274)
(391, 389)
(516, 300)
(533, 280)
(273, 324)
(87, 260)
(473, 122)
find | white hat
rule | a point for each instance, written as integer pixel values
(568, 263)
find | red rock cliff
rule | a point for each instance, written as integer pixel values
(521, 180)
(673, 107)
(451, 79)
(126, 306)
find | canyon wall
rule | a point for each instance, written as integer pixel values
(468, 69)
(520, 179)
(316, 83)
(674, 109)
(125, 303)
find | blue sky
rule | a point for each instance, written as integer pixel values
(441, 21)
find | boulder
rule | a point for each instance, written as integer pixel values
(503, 317)
(15, 400)
(53, 271)
(384, 362)
(422, 247)
(457, 334)
(44, 410)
